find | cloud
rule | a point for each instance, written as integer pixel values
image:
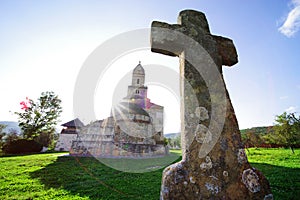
(283, 97)
(291, 109)
(292, 22)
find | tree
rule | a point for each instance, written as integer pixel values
(2, 135)
(251, 139)
(38, 119)
(287, 130)
(6, 138)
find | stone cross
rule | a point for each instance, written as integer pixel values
(214, 164)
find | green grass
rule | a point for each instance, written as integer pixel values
(52, 176)
(282, 169)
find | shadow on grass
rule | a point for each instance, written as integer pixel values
(284, 181)
(88, 177)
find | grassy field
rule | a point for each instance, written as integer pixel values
(52, 176)
(281, 167)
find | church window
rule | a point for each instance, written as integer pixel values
(137, 91)
(138, 81)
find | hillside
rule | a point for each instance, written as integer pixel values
(171, 135)
(258, 130)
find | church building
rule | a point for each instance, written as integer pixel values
(134, 129)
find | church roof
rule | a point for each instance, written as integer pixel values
(153, 105)
(139, 69)
(73, 123)
(131, 108)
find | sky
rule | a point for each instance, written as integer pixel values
(44, 45)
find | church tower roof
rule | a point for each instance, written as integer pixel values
(139, 69)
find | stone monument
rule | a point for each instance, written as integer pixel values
(214, 164)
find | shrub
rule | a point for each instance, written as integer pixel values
(22, 146)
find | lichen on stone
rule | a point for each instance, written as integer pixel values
(251, 180)
(241, 156)
(224, 144)
(269, 197)
(214, 189)
(207, 164)
(225, 173)
(164, 190)
(201, 113)
(192, 179)
(203, 135)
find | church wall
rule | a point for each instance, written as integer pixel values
(110, 149)
(64, 142)
(157, 115)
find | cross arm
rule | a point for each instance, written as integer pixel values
(226, 50)
(164, 38)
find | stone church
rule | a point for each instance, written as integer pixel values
(134, 129)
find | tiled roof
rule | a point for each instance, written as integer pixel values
(73, 123)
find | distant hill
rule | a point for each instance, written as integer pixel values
(258, 130)
(171, 135)
(11, 125)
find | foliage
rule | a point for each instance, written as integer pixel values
(2, 127)
(38, 119)
(22, 146)
(251, 139)
(262, 130)
(286, 130)
(11, 136)
(175, 142)
(256, 136)
(7, 138)
(166, 141)
(53, 176)
(2, 135)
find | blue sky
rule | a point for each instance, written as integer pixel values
(45, 43)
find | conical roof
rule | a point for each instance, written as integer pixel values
(139, 69)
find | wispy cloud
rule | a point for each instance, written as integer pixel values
(283, 97)
(291, 23)
(291, 109)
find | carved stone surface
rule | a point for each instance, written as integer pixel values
(214, 164)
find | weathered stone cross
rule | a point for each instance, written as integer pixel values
(214, 164)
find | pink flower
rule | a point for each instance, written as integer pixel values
(25, 104)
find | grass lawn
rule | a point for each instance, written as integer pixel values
(52, 176)
(281, 167)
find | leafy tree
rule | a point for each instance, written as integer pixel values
(251, 139)
(7, 138)
(2, 135)
(38, 119)
(177, 141)
(174, 142)
(287, 130)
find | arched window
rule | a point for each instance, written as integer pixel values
(137, 91)
(138, 81)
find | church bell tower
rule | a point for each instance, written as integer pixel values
(137, 88)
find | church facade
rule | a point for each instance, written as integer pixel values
(134, 129)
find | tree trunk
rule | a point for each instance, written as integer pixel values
(292, 148)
